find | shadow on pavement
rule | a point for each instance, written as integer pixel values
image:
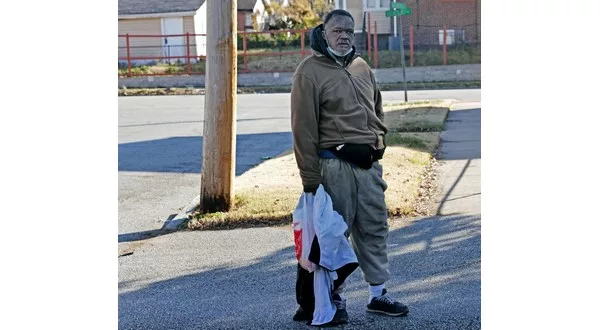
(435, 266)
(184, 154)
(454, 184)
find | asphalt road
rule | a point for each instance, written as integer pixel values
(160, 148)
(244, 279)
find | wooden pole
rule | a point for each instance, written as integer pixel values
(403, 60)
(412, 46)
(218, 152)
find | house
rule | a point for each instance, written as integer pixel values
(146, 20)
(245, 10)
(462, 18)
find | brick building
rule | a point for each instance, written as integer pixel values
(461, 17)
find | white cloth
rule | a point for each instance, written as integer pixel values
(324, 307)
(315, 216)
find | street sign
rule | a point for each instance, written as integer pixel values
(400, 9)
(398, 5)
(398, 12)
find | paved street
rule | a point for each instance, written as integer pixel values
(244, 279)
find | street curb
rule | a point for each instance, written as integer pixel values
(181, 217)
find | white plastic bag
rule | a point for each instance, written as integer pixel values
(304, 231)
(314, 217)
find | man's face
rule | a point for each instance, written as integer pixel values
(339, 33)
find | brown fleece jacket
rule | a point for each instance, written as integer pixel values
(333, 105)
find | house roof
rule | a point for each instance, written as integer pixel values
(246, 4)
(133, 7)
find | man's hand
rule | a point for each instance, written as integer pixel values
(311, 189)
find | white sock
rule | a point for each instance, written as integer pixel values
(375, 291)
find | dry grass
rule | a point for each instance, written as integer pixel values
(402, 170)
(393, 106)
(268, 193)
(265, 195)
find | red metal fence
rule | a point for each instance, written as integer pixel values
(275, 51)
(189, 56)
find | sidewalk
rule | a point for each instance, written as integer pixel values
(244, 278)
(460, 170)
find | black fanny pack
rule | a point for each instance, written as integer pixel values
(361, 155)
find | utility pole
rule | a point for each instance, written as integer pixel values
(399, 9)
(395, 25)
(403, 61)
(218, 152)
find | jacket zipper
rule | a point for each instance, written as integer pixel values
(356, 92)
(357, 99)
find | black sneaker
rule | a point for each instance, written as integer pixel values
(302, 315)
(341, 315)
(386, 305)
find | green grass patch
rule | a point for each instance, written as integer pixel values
(421, 141)
(415, 119)
(406, 141)
(421, 126)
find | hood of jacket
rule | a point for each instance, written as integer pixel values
(319, 45)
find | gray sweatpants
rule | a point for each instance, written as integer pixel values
(358, 196)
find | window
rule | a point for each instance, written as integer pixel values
(378, 4)
(339, 4)
(248, 20)
(452, 36)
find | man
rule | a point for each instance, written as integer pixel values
(338, 132)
